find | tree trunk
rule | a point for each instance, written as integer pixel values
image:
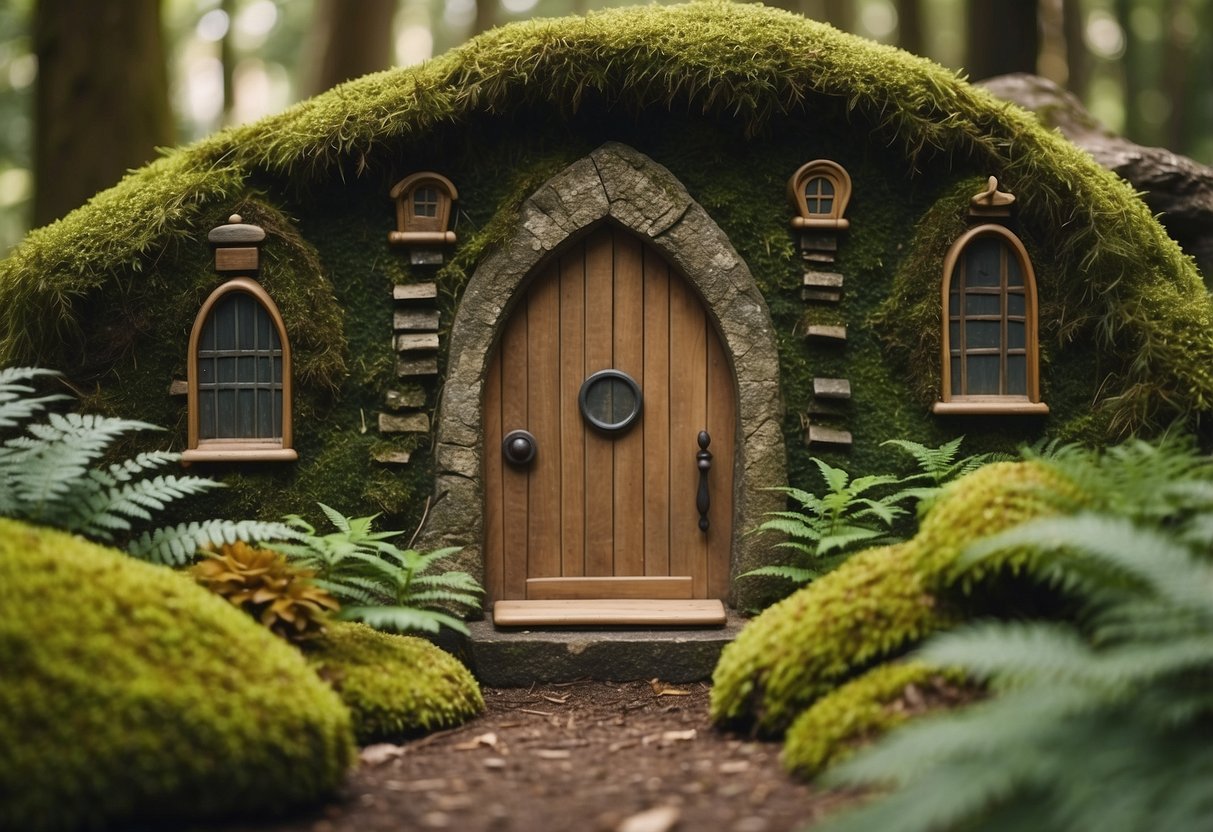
(909, 26)
(1131, 76)
(101, 101)
(348, 40)
(1072, 26)
(1002, 37)
(838, 14)
(1176, 72)
(486, 16)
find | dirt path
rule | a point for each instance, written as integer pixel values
(586, 756)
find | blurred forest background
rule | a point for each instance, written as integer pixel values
(90, 89)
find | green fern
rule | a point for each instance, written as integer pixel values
(177, 545)
(849, 515)
(51, 475)
(1102, 722)
(377, 582)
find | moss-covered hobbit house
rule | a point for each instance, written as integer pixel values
(593, 285)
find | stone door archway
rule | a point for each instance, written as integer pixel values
(620, 185)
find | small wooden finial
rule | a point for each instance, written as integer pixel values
(236, 219)
(991, 202)
(237, 246)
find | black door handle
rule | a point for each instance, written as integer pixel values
(703, 459)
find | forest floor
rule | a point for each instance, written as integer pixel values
(586, 756)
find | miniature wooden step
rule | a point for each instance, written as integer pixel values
(622, 612)
(819, 435)
(415, 291)
(647, 587)
(826, 332)
(831, 388)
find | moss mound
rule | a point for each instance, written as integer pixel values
(128, 693)
(861, 710)
(878, 603)
(394, 685)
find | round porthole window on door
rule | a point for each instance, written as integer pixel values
(610, 400)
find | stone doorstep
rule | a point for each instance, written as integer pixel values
(516, 658)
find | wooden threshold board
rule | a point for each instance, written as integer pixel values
(646, 588)
(617, 612)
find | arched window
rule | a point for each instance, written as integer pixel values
(423, 209)
(819, 191)
(239, 378)
(990, 348)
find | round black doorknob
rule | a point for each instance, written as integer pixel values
(518, 447)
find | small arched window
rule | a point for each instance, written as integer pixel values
(239, 371)
(819, 191)
(423, 209)
(990, 347)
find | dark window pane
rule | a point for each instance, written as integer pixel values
(1014, 274)
(264, 327)
(982, 258)
(954, 335)
(983, 375)
(225, 419)
(225, 323)
(277, 413)
(265, 370)
(983, 304)
(246, 370)
(265, 413)
(956, 379)
(1017, 375)
(1015, 335)
(226, 370)
(953, 302)
(825, 206)
(206, 370)
(246, 319)
(245, 426)
(206, 415)
(983, 335)
(1016, 304)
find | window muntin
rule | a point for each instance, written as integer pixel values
(819, 196)
(990, 349)
(425, 202)
(239, 368)
(239, 372)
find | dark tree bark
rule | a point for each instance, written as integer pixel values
(791, 5)
(1072, 25)
(1131, 76)
(1176, 73)
(909, 26)
(838, 14)
(101, 100)
(348, 40)
(1003, 37)
(486, 16)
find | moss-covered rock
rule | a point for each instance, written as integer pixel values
(863, 709)
(129, 693)
(877, 604)
(394, 685)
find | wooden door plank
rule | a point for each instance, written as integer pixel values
(688, 416)
(514, 484)
(543, 420)
(722, 425)
(666, 587)
(572, 428)
(620, 613)
(494, 551)
(629, 447)
(656, 417)
(599, 450)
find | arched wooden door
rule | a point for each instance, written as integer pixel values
(612, 507)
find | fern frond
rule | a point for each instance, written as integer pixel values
(792, 573)
(445, 596)
(175, 545)
(403, 619)
(461, 581)
(14, 408)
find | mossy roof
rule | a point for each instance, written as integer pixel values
(746, 63)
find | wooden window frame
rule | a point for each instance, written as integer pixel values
(230, 449)
(834, 173)
(414, 228)
(1008, 404)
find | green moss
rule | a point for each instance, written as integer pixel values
(856, 713)
(109, 293)
(874, 606)
(394, 685)
(128, 692)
